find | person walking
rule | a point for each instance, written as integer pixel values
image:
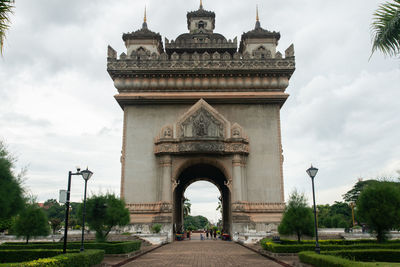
(215, 234)
(207, 234)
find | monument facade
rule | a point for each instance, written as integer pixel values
(200, 107)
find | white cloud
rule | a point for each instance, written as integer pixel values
(57, 107)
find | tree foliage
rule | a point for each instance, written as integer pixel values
(55, 213)
(31, 222)
(103, 212)
(386, 28)
(352, 195)
(195, 222)
(6, 9)
(379, 206)
(337, 215)
(186, 207)
(11, 192)
(297, 217)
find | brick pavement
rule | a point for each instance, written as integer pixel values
(202, 253)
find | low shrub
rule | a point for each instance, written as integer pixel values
(278, 248)
(386, 255)
(156, 228)
(321, 260)
(21, 255)
(75, 259)
(337, 241)
(108, 247)
(353, 258)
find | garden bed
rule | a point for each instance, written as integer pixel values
(50, 257)
(108, 247)
(352, 258)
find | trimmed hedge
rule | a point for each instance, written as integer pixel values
(108, 247)
(386, 255)
(27, 254)
(355, 258)
(85, 259)
(321, 260)
(337, 241)
(277, 248)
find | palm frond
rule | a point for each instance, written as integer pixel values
(386, 28)
(6, 9)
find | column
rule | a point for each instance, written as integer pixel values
(166, 169)
(237, 177)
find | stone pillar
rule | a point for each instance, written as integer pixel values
(166, 170)
(237, 177)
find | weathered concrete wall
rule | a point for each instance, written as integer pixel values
(260, 123)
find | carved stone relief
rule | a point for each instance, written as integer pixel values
(202, 130)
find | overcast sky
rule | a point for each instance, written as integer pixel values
(57, 108)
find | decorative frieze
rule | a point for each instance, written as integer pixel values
(252, 207)
(156, 207)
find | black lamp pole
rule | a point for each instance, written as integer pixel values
(83, 218)
(67, 207)
(312, 172)
(67, 213)
(86, 174)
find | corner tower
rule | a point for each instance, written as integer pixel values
(202, 109)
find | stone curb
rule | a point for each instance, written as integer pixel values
(134, 256)
(265, 255)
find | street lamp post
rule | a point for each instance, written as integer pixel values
(86, 174)
(312, 171)
(78, 172)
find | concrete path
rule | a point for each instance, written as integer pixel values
(202, 253)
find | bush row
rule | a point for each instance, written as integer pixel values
(355, 258)
(321, 260)
(386, 255)
(26, 254)
(108, 247)
(336, 241)
(277, 248)
(85, 259)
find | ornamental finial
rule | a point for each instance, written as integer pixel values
(257, 18)
(201, 4)
(144, 19)
(258, 25)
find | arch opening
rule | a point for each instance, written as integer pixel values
(201, 172)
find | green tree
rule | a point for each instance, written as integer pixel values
(353, 194)
(31, 222)
(386, 28)
(5, 224)
(11, 192)
(55, 213)
(6, 8)
(219, 207)
(379, 207)
(186, 207)
(195, 222)
(297, 217)
(103, 212)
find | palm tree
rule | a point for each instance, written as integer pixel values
(219, 207)
(386, 28)
(186, 207)
(6, 7)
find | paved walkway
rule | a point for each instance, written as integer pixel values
(202, 253)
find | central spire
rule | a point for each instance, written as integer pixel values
(258, 25)
(144, 25)
(201, 4)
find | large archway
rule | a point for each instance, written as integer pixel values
(198, 172)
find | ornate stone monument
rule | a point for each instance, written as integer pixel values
(202, 108)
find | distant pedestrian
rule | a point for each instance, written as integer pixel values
(201, 236)
(207, 234)
(215, 234)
